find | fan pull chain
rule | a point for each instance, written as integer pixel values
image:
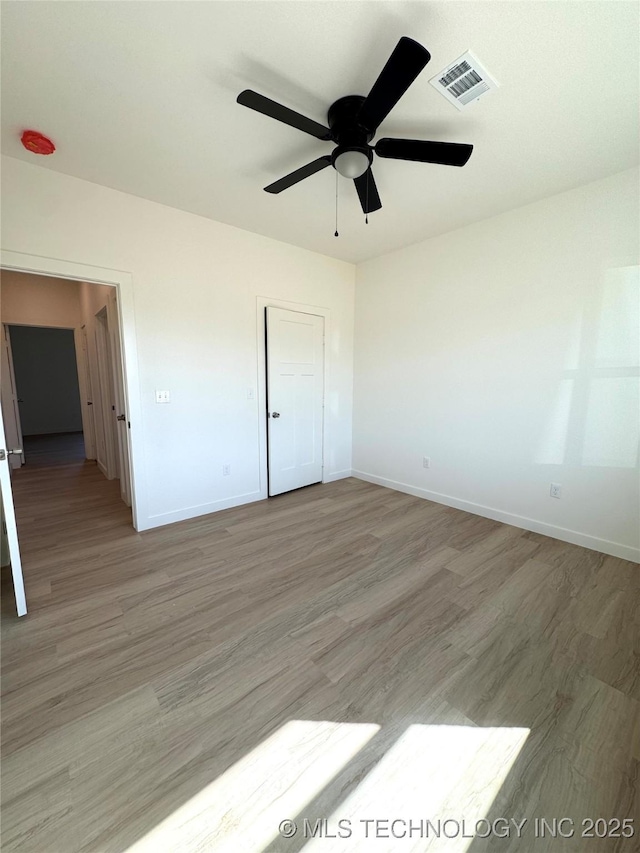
(336, 234)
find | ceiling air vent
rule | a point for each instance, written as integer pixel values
(464, 81)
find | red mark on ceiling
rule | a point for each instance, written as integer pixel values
(37, 142)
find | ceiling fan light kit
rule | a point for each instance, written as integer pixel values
(350, 162)
(353, 122)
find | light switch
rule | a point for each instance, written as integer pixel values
(163, 397)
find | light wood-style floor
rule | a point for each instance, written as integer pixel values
(345, 652)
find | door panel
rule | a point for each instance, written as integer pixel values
(9, 522)
(86, 392)
(106, 397)
(10, 408)
(295, 393)
(122, 424)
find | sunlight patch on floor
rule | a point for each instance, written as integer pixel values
(432, 772)
(241, 810)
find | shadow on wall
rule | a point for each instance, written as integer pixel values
(594, 419)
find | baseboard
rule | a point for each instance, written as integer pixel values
(614, 549)
(102, 468)
(194, 511)
(337, 475)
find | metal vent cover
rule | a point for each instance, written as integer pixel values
(464, 81)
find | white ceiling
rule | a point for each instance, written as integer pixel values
(140, 96)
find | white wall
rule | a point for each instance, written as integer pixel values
(44, 362)
(507, 352)
(196, 285)
(35, 300)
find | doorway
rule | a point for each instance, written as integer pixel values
(64, 401)
(262, 304)
(295, 398)
(123, 379)
(45, 410)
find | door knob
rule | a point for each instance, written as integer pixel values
(121, 418)
(275, 415)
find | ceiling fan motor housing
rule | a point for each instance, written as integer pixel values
(346, 129)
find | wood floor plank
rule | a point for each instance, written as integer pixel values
(154, 668)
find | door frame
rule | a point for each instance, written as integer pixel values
(120, 423)
(261, 338)
(123, 282)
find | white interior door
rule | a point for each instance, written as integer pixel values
(107, 404)
(9, 521)
(295, 398)
(122, 423)
(86, 392)
(10, 408)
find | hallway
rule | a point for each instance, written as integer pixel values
(47, 451)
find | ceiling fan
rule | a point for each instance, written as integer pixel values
(353, 122)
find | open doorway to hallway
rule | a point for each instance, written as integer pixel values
(41, 400)
(63, 409)
(63, 388)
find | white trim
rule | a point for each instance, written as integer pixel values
(199, 510)
(337, 475)
(263, 302)
(122, 281)
(605, 546)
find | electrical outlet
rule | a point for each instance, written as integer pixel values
(163, 396)
(226, 470)
(556, 490)
(426, 462)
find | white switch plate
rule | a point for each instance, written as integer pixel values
(226, 470)
(251, 394)
(163, 397)
(426, 462)
(556, 490)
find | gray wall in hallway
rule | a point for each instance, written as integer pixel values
(44, 361)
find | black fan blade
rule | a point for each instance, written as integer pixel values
(299, 175)
(403, 66)
(368, 192)
(445, 153)
(274, 110)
